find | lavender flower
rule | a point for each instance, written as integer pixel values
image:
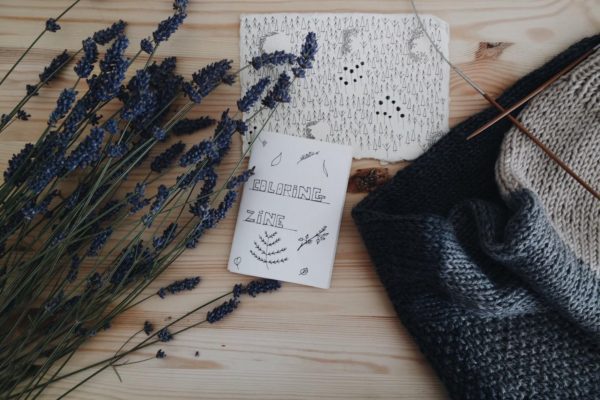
(206, 80)
(241, 127)
(188, 126)
(146, 46)
(253, 95)
(111, 126)
(190, 91)
(104, 36)
(31, 90)
(134, 261)
(74, 268)
(148, 327)
(159, 134)
(209, 219)
(55, 65)
(47, 170)
(23, 115)
(161, 354)
(308, 52)
(220, 312)
(221, 211)
(196, 152)
(17, 161)
(274, 58)
(257, 287)
(52, 25)
(161, 196)
(279, 93)
(229, 79)
(113, 68)
(167, 157)
(240, 179)
(99, 242)
(223, 133)
(85, 65)
(164, 335)
(65, 100)
(117, 150)
(160, 242)
(32, 209)
(140, 98)
(180, 5)
(179, 286)
(210, 180)
(87, 152)
(94, 282)
(136, 198)
(168, 26)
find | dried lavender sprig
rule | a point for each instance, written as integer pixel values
(179, 286)
(85, 65)
(188, 126)
(274, 58)
(105, 36)
(35, 41)
(279, 93)
(63, 105)
(253, 95)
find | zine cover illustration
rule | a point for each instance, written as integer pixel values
(291, 208)
(377, 85)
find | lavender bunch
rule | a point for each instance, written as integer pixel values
(81, 240)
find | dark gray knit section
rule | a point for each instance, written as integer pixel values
(487, 287)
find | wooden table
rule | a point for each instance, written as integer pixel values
(345, 342)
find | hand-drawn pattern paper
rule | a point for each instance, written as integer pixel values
(291, 209)
(377, 84)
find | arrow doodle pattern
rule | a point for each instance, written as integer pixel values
(367, 65)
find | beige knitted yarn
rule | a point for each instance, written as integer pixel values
(566, 117)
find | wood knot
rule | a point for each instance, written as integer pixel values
(491, 50)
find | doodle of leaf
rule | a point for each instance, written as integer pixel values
(303, 271)
(325, 170)
(276, 160)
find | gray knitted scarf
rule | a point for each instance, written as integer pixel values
(490, 253)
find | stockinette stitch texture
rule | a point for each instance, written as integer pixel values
(481, 250)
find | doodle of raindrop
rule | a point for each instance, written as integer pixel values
(276, 160)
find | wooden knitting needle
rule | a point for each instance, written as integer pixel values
(515, 122)
(534, 93)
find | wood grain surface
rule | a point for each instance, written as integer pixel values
(341, 343)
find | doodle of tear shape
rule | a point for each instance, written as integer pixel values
(237, 262)
(277, 160)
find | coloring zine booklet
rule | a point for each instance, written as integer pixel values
(291, 208)
(377, 85)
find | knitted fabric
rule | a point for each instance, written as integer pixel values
(495, 279)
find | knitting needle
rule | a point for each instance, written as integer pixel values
(515, 122)
(534, 93)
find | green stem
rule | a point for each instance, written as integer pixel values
(34, 42)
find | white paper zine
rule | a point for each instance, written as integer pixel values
(291, 208)
(377, 84)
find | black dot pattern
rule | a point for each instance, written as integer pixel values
(386, 108)
(351, 73)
